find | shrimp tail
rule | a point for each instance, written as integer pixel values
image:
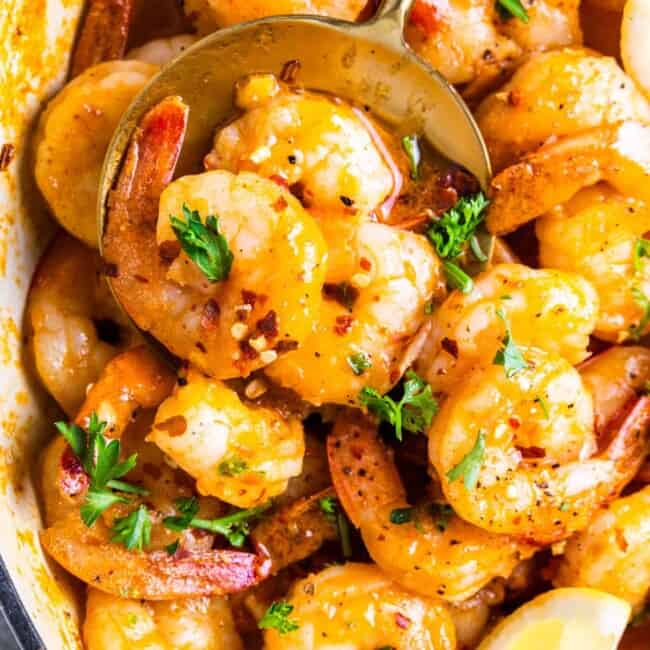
(89, 555)
(103, 35)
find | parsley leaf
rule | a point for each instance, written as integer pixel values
(333, 512)
(470, 466)
(232, 466)
(509, 356)
(203, 244)
(512, 8)
(172, 548)
(414, 412)
(188, 508)
(456, 226)
(277, 618)
(457, 278)
(411, 146)
(641, 249)
(134, 530)
(96, 502)
(637, 331)
(329, 506)
(359, 362)
(441, 513)
(401, 515)
(543, 405)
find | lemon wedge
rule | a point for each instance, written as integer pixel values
(563, 619)
(635, 46)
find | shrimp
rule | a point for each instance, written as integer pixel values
(469, 43)
(240, 453)
(162, 50)
(212, 14)
(72, 138)
(435, 553)
(114, 623)
(617, 154)
(324, 150)
(595, 234)
(228, 328)
(612, 553)
(539, 470)
(546, 309)
(74, 325)
(355, 606)
(556, 94)
(375, 297)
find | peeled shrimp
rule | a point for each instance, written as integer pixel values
(617, 154)
(612, 553)
(595, 234)
(451, 560)
(468, 42)
(74, 325)
(228, 328)
(542, 471)
(546, 309)
(241, 453)
(114, 623)
(374, 303)
(356, 607)
(553, 95)
(322, 149)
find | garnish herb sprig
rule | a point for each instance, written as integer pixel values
(469, 467)
(512, 9)
(277, 618)
(332, 510)
(509, 356)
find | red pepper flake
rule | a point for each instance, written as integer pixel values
(303, 195)
(141, 279)
(74, 479)
(290, 71)
(279, 180)
(248, 351)
(343, 325)
(268, 325)
(459, 180)
(394, 375)
(514, 98)
(365, 264)
(426, 17)
(286, 346)
(7, 154)
(249, 297)
(532, 452)
(210, 315)
(169, 251)
(175, 426)
(200, 346)
(280, 204)
(402, 621)
(514, 423)
(450, 346)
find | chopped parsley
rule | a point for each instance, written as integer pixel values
(439, 512)
(401, 515)
(564, 507)
(470, 466)
(411, 145)
(457, 278)
(429, 308)
(332, 510)
(512, 9)
(277, 618)
(456, 226)
(359, 362)
(641, 249)
(233, 466)
(543, 405)
(636, 331)
(134, 530)
(203, 244)
(234, 527)
(172, 548)
(414, 412)
(509, 356)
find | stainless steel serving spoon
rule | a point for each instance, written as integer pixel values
(366, 63)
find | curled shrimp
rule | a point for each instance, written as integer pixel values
(324, 150)
(74, 325)
(241, 453)
(435, 554)
(616, 154)
(357, 607)
(612, 553)
(595, 234)
(114, 623)
(370, 319)
(229, 328)
(547, 309)
(556, 94)
(539, 470)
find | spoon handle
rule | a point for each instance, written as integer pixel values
(388, 24)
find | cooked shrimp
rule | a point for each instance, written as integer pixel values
(374, 305)
(74, 325)
(468, 42)
(550, 310)
(556, 94)
(357, 607)
(612, 554)
(162, 50)
(539, 471)
(324, 150)
(114, 623)
(436, 553)
(73, 136)
(241, 453)
(595, 234)
(617, 154)
(228, 328)
(211, 14)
